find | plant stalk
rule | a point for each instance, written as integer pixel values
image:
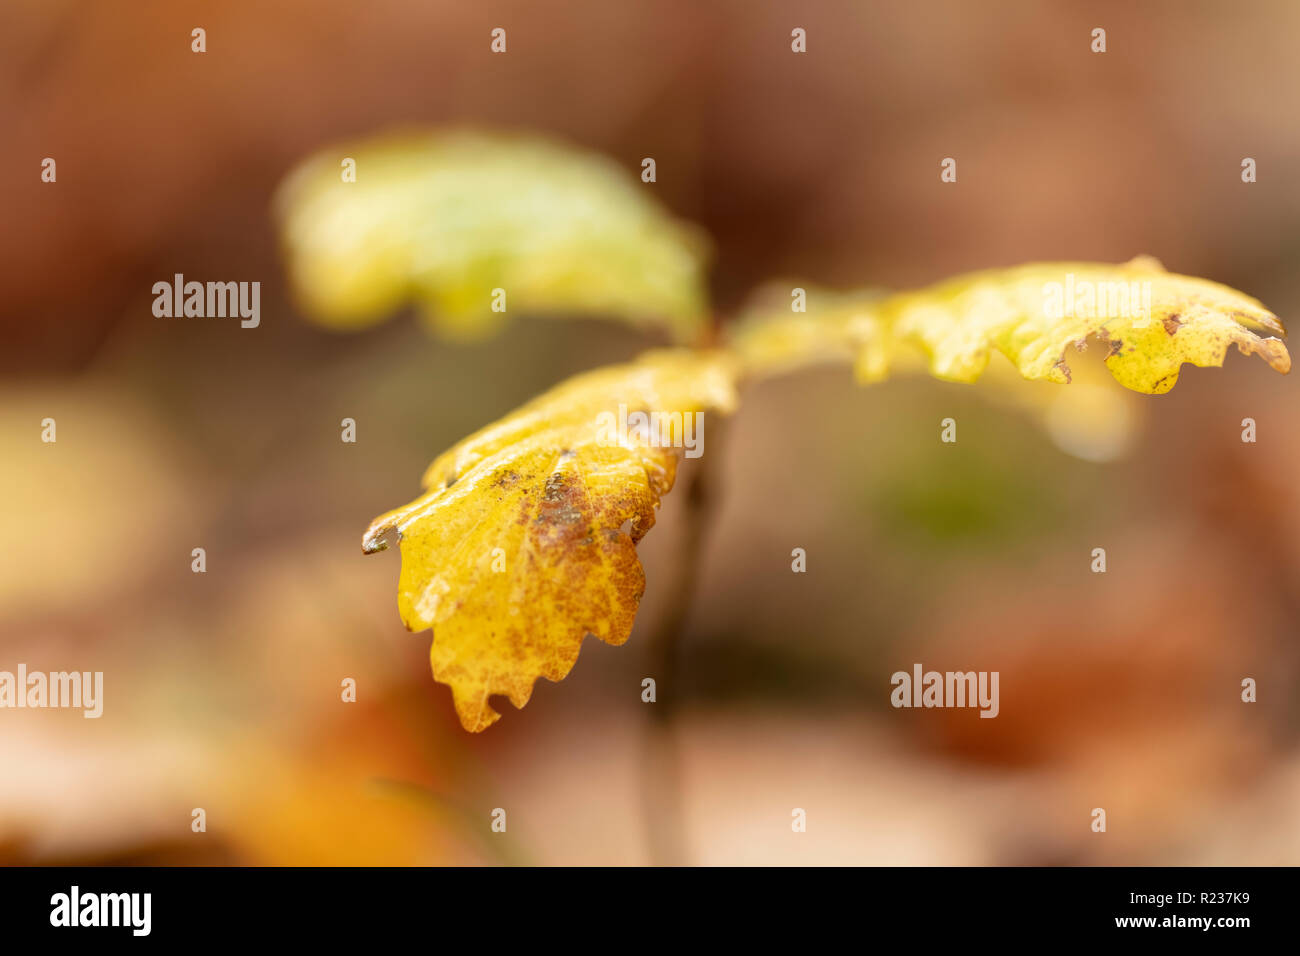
(662, 784)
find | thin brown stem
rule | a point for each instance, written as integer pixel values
(662, 785)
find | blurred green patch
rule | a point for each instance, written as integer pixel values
(998, 486)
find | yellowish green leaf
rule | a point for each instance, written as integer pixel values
(836, 327)
(444, 219)
(525, 541)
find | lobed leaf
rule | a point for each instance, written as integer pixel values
(525, 541)
(443, 219)
(1152, 322)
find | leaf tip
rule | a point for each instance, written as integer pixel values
(376, 537)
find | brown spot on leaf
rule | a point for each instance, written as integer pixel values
(506, 478)
(560, 500)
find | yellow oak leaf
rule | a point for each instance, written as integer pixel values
(472, 226)
(1150, 321)
(525, 542)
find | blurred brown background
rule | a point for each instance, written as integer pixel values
(1118, 691)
